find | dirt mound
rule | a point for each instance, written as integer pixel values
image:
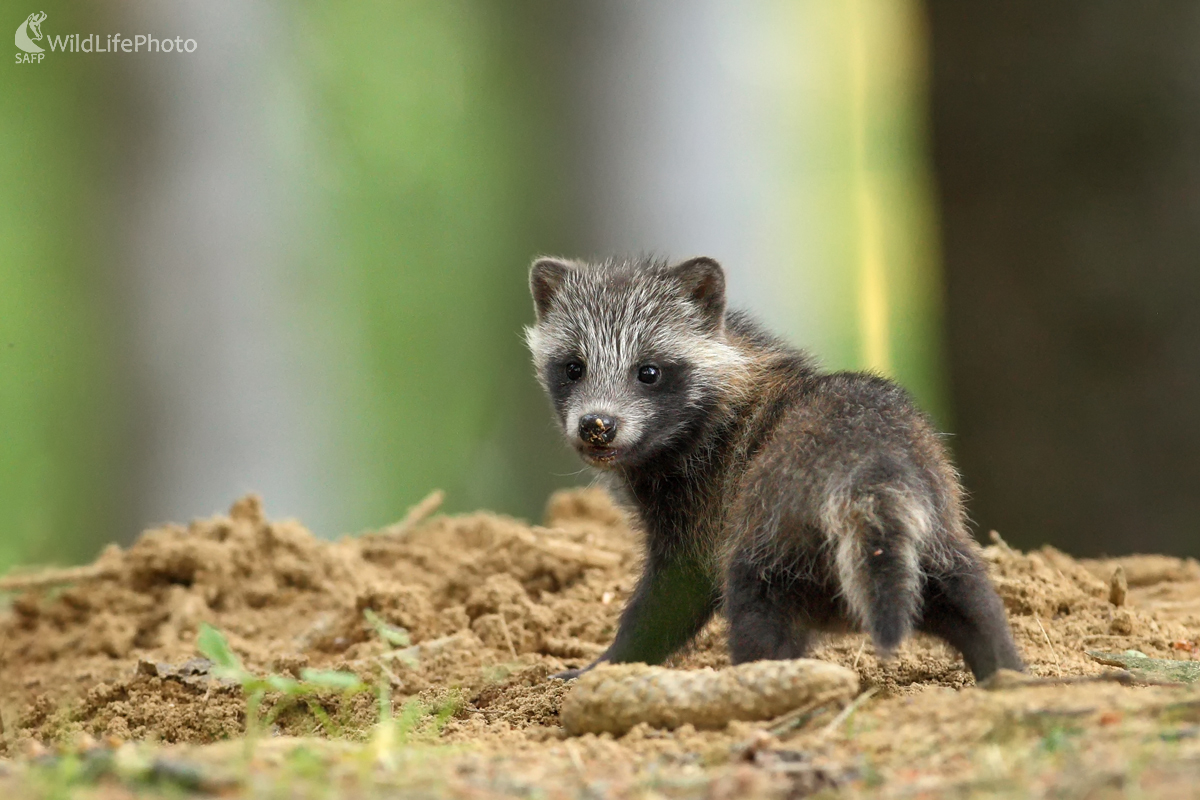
(492, 606)
(482, 597)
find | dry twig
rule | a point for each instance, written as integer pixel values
(1053, 652)
(417, 514)
(1007, 679)
(23, 582)
(507, 638)
(845, 713)
(858, 655)
(799, 716)
(576, 761)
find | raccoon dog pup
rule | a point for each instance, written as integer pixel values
(795, 501)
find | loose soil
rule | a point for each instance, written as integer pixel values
(493, 607)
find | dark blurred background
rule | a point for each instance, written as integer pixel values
(294, 260)
(1066, 140)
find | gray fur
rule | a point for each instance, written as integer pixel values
(793, 500)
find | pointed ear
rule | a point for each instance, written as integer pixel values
(545, 278)
(703, 282)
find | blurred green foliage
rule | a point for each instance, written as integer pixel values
(439, 172)
(60, 442)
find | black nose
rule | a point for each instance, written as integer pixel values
(597, 429)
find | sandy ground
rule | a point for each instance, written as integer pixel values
(95, 672)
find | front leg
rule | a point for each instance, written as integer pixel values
(673, 600)
(763, 620)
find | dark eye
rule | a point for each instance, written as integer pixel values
(574, 371)
(649, 374)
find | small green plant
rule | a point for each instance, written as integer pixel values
(390, 634)
(403, 650)
(1059, 738)
(420, 719)
(61, 775)
(872, 778)
(415, 719)
(226, 665)
(57, 778)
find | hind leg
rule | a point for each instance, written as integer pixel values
(963, 608)
(763, 623)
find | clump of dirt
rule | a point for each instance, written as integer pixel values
(493, 607)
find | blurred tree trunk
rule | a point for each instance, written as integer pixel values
(1067, 141)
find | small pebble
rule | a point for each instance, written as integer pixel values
(1121, 623)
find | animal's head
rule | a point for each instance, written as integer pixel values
(633, 354)
(34, 25)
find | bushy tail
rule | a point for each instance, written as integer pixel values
(878, 533)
